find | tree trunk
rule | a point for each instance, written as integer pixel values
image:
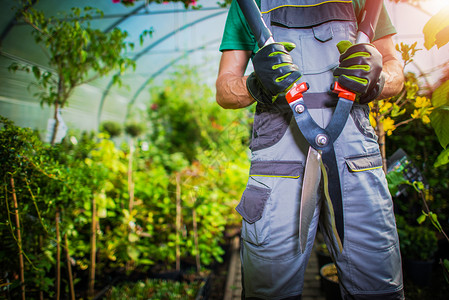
(41, 245)
(93, 246)
(58, 256)
(58, 104)
(178, 221)
(130, 177)
(129, 263)
(381, 135)
(56, 126)
(19, 239)
(195, 237)
(69, 268)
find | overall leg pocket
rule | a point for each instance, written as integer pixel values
(270, 204)
(252, 207)
(371, 240)
(369, 216)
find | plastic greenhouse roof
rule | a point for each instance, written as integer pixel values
(181, 37)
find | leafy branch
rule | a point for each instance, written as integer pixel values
(77, 53)
(384, 113)
(395, 179)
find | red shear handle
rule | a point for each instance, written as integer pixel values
(342, 93)
(296, 92)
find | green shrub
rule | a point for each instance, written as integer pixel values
(417, 242)
(156, 289)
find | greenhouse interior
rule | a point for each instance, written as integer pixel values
(121, 174)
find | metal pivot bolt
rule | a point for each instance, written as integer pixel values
(299, 108)
(321, 140)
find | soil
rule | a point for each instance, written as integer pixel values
(219, 275)
(218, 282)
(438, 288)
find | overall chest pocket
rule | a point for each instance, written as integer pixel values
(315, 27)
(319, 47)
(316, 50)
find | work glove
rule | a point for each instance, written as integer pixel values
(274, 72)
(360, 70)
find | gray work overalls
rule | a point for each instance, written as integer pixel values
(272, 264)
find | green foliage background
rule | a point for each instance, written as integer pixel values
(183, 146)
(186, 136)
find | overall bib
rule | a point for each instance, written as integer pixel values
(272, 263)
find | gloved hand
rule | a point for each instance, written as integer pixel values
(360, 70)
(274, 72)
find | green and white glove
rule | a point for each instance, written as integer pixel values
(360, 70)
(274, 72)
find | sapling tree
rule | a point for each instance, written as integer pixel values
(434, 108)
(436, 33)
(33, 186)
(409, 105)
(430, 106)
(77, 54)
(133, 130)
(205, 158)
(114, 129)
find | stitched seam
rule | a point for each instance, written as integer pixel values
(367, 169)
(276, 176)
(306, 5)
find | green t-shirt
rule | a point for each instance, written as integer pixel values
(237, 34)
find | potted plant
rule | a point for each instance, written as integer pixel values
(329, 282)
(418, 247)
(323, 255)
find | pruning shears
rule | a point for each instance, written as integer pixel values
(321, 159)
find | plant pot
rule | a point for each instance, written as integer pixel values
(323, 258)
(419, 272)
(329, 282)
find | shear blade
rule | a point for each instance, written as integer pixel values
(309, 194)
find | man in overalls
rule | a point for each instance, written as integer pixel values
(273, 264)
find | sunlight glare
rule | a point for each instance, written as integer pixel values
(434, 6)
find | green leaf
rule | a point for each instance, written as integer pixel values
(83, 56)
(442, 37)
(418, 185)
(146, 261)
(442, 159)
(397, 111)
(132, 237)
(440, 97)
(395, 179)
(439, 119)
(421, 219)
(133, 253)
(440, 116)
(435, 222)
(36, 72)
(436, 29)
(446, 264)
(13, 67)
(446, 269)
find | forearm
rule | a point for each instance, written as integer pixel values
(392, 68)
(394, 79)
(232, 92)
(231, 82)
